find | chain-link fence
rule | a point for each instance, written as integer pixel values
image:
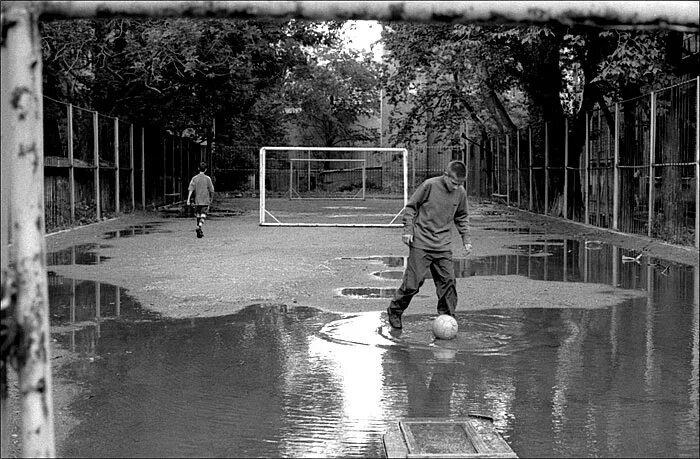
(96, 166)
(636, 170)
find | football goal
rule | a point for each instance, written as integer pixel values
(342, 186)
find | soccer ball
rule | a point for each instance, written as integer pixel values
(445, 327)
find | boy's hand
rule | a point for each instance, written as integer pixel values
(188, 202)
(468, 248)
(407, 238)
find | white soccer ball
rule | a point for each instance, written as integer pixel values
(445, 327)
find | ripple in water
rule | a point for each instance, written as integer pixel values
(480, 333)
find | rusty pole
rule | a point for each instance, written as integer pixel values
(23, 150)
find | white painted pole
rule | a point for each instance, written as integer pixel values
(6, 164)
(616, 171)
(405, 177)
(652, 156)
(71, 169)
(262, 186)
(22, 147)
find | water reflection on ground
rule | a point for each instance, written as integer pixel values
(298, 382)
(135, 230)
(566, 260)
(275, 380)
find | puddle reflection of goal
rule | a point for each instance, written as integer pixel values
(344, 186)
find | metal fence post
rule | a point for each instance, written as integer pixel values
(616, 171)
(565, 204)
(131, 166)
(165, 170)
(529, 147)
(586, 178)
(71, 168)
(546, 167)
(96, 159)
(507, 170)
(652, 156)
(116, 165)
(143, 169)
(22, 149)
(517, 149)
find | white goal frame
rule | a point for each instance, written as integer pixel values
(264, 213)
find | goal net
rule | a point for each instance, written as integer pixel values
(343, 186)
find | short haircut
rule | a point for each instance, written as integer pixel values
(202, 166)
(458, 169)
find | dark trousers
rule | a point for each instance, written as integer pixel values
(441, 267)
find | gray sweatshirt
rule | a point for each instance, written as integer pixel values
(430, 212)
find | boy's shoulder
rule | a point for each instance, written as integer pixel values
(432, 181)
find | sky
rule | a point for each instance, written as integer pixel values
(362, 34)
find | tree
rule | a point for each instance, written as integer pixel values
(181, 74)
(463, 71)
(335, 91)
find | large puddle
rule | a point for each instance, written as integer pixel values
(283, 381)
(566, 260)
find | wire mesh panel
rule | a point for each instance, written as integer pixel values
(55, 133)
(236, 168)
(83, 138)
(538, 168)
(524, 186)
(634, 138)
(674, 164)
(153, 162)
(433, 162)
(178, 177)
(56, 198)
(138, 166)
(555, 167)
(601, 159)
(106, 140)
(575, 180)
(514, 191)
(332, 186)
(125, 204)
(500, 164)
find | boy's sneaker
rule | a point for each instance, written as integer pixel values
(394, 318)
(200, 233)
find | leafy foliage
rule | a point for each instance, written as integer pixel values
(181, 74)
(482, 72)
(336, 91)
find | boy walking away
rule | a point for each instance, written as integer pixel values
(203, 190)
(436, 204)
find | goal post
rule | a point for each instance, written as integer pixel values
(340, 186)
